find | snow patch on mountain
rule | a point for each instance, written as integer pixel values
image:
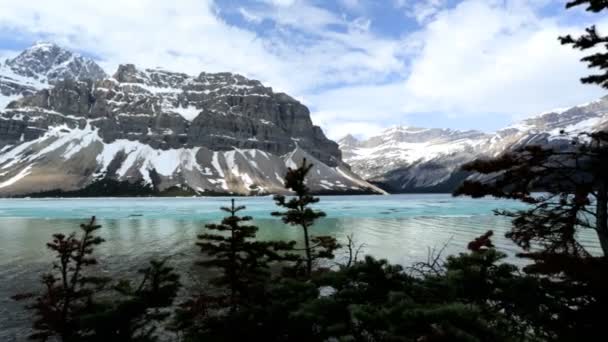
(189, 113)
(420, 159)
(235, 171)
(69, 124)
(40, 67)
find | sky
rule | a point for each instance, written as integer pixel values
(359, 65)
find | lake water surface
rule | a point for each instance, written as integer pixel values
(400, 228)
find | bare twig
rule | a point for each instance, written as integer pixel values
(434, 264)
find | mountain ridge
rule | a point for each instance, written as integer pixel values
(211, 133)
(407, 159)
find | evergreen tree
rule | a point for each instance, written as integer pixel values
(573, 182)
(70, 307)
(135, 311)
(68, 291)
(299, 213)
(373, 300)
(570, 283)
(576, 178)
(234, 307)
(591, 39)
(243, 261)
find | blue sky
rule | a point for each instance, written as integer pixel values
(359, 65)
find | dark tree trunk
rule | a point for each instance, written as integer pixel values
(308, 252)
(601, 211)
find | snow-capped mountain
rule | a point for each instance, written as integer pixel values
(407, 159)
(39, 67)
(211, 133)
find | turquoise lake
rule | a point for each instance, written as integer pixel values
(400, 228)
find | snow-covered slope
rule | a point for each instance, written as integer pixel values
(71, 157)
(406, 159)
(400, 146)
(211, 133)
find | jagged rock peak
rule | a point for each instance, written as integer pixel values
(158, 77)
(49, 63)
(348, 140)
(406, 159)
(409, 134)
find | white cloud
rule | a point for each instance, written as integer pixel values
(361, 110)
(284, 3)
(6, 54)
(485, 57)
(188, 35)
(360, 129)
(479, 57)
(299, 14)
(361, 24)
(355, 5)
(421, 10)
(250, 17)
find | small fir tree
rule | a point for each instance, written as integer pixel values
(244, 262)
(299, 213)
(70, 307)
(137, 310)
(68, 291)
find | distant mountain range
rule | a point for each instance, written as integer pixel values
(409, 159)
(66, 125)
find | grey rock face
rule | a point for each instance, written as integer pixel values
(49, 63)
(409, 148)
(40, 67)
(173, 110)
(210, 133)
(406, 159)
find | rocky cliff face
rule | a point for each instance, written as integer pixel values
(209, 133)
(406, 159)
(39, 67)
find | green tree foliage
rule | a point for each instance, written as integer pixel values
(244, 262)
(241, 286)
(591, 39)
(505, 298)
(569, 294)
(71, 306)
(299, 213)
(375, 301)
(575, 178)
(136, 310)
(574, 192)
(574, 197)
(68, 290)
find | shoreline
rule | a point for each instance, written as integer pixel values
(213, 196)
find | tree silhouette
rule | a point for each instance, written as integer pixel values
(243, 261)
(69, 288)
(228, 310)
(299, 213)
(70, 308)
(575, 178)
(574, 184)
(565, 187)
(136, 310)
(372, 300)
(589, 40)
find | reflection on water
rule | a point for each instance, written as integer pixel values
(398, 228)
(400, 240)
